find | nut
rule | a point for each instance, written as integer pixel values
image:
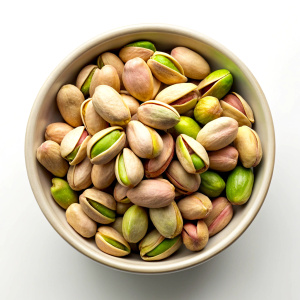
(142, 49)
(103, 175)
(212, 184)
(56, 131)
(186, 126)
(195, 238)
(223, 160)
(85, 78)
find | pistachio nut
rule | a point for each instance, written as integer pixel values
(136, 70)
(120, 192)
(48, 155)
(184, 182)
(220, 215)
(223, 160)
(156, 166)
(135, 224)
(193, 64)
(216, 84)
(80, 222)
(73, 146)
(144, 141)
(123, 207)
(69, 100)
(56, 131)
(186, 126)
(166, 68)
(218, 133)
(239, 185)
(182, 96)
(207, 109)
(142, 49)
(152, 193)
(106, 100)
(106, 144)
(212, 184)
(158, 115)
(167, 220)
(111, 241)
(247, 143)
(194, 207)
(154, 246)
(85, 78)
(195, 238)
(61, 192)
(103, 175)
(236, 107)
(79, 176)
(99, 206)
(131, 102)
(117, 225)
(191, 154)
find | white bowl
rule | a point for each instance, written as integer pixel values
(165, 37)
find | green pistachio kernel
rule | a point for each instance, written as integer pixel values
(122, 171)
(73, 154)
(212, 184)
(115, 243)
(142, 44)
(163, 246)
(165, 61)
(86, 86)
(187, 126)
(102, 209)
(197, 161)
(156, 147)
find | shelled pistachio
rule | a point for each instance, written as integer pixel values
(212, 184)
(186, 126)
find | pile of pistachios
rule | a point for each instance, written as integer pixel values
(154, 153)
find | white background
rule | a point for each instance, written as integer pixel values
(36, 263)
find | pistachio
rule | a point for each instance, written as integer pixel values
(212, 184)
(120, 192)
(158, 115)
(167, 220)
(194, 207)
(131, 102)
(239, 185)
(152, 193)
(105, 101)
(220, 215)
(186, 126)
(195, 238)
(223, 160)
(193, 64)
(111, 242)
(106, 144)
(103, 175)
(218, 133)
(142, 49)
(48, 155)
(191, 154)
(157, 87)
(117, 225)
(247, 143)
(85, 78)
(135, 224)
(144, 141)
(80, 222)
(62, 193)
(56, 131)
(69, 100)
(123, 207)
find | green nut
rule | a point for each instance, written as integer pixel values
(62, 193)
(142, 44)
(165, 61)
(239, 185)
(186, 126)
(84, 79)
(212, 184)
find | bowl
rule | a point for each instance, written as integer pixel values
(165, 37)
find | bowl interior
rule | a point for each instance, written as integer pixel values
(165, 38)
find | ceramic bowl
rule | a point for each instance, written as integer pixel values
(44, 112)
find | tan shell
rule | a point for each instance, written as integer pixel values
(120, 192)
(127, 53)
(57, 131)
(123, 207)
(131, 102)
(103, 175)
(223, 160)
(84, 74)
(157, 85)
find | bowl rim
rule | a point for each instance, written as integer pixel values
(117, 32)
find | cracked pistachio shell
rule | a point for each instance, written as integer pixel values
(223, 160)
(220, 215)
(131, 102)
(48, 155)
(195, 238)
(135, 224)
(120, 192)
(167, 69)
(103, 175)
(144, 141)
(129, 169)
(247, 143)
(80, 222)
(218, 133)
(123, 207)
(167, 220)
(184, 182)
(155, 247)
(191, 154)
(212, 184)
(216, 84)
(193, 64)
(99, 206)
(156, 166)
(152, 193)
(234, 106)
(194, 207)
(106, 100)
(79, 176)
(69, 99)
(158, 115)
(57, 131)
(186, 126)
(113, 141)
(85, 79)
(73, 146)
(138, 79)
(111, 242)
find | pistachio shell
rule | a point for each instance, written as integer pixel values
(195, 238)
(131, 102)
(223, 160)
(212, 184)
(120, 192)
(103, 175)
(123, 207)
(117, 225)
(84, 79)
(186, 126)
(142, 49)
(157, 86)
(56, 131)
